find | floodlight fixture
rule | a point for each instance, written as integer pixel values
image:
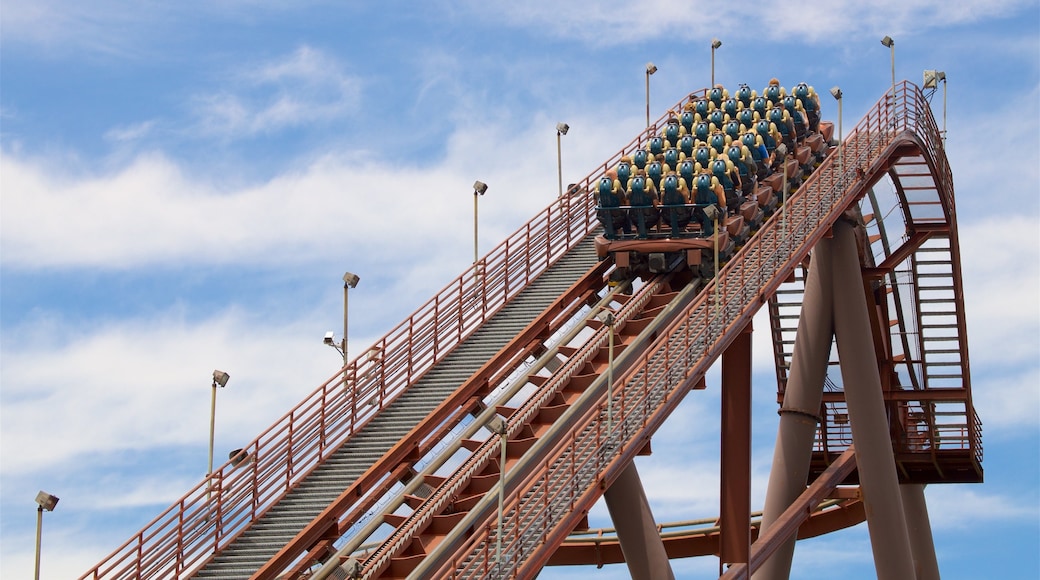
(497, 425)
(836, 92)
(220, 378)
(239, 457)
(46, 501)
(887, 41)
(932, 78)
(351, 279)
(562, 128)
(651, 68)
(479, 187)
(716, 43)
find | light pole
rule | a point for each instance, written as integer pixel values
(650, 69)
(349, 281)
(44, 501)
(561, 130)
(607, 317)
(836, 93)
(931, 81)
(715, 43)
(479, 187)
(220, 379)
(891, 44)
(498, 425)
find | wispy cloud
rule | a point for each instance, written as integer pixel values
(957, 507)
(305, 87)
(124, 386)
(129, 133)
(615, 22)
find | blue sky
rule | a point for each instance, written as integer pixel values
(184, 184)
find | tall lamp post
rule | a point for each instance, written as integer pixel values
(561, 130)
(837, 94)
(650, 69)
(349, 281)
(220, 379)
(931, 81)
(891, 44)
(44, 501)
(715, 43)
(479, 188)
(501, 427)
(607, 318)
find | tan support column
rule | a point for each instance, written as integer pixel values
(920, 529)
(859, 372)
(735, 487)
(798, 413)
(637, 533)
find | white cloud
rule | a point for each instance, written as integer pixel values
(309, 86)
(959, 507)
(151, 211)
(131, 132)
(142, 383)
(616, 22)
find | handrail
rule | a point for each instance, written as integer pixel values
(213, 513)
(539, 499)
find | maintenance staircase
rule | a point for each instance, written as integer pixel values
(568, 440)
(279, 525)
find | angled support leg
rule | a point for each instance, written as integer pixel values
(879, 481)
(637, 532)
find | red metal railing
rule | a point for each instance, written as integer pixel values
(209, 516)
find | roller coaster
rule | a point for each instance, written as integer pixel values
(472, 439)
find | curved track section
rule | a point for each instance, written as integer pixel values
(486, 425)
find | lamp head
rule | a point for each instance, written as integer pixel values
(836, 92)
(650, 68)
(46, 501)
(329, 338)
(497, 425)
(351, 280)
(562, 128)
(479, 187)
(715, 43)
(887, 41)
(932, 78)
(239, 457)
(220, 378)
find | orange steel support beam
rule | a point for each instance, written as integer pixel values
(697, 542)
(859, 370)
(637, 533)
(786, 526)
(735, 484)
(926, 567)
(800, 407)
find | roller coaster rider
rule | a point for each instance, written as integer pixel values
(610, 198)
